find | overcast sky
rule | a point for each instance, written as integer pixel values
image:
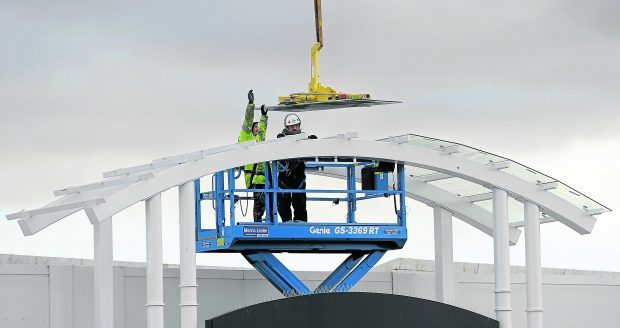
(91, 86)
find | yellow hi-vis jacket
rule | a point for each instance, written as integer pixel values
(246, 135)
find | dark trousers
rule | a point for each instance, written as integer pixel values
(259, 203)
(298, 200)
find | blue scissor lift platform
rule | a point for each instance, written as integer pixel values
(257, 241)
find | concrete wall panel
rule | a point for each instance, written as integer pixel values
(61, 296)
(24, 297)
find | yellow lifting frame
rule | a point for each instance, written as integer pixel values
(316, 91)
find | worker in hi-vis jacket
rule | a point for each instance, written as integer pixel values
(255, 173)
(293, 177)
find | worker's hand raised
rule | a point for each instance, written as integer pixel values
(251, 96)
(263, 110)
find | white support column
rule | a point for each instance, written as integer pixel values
(104, 276)
(187, 231)
(503, 307)
(154, 264)
(533, 273)
(444, 264)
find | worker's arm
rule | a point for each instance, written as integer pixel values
(246, 128)
(262, 125)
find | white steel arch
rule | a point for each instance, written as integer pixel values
(107, 198)
(564, 212)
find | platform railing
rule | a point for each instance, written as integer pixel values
(223, 190)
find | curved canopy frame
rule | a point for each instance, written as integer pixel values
(125, 187)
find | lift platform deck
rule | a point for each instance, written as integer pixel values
(257, 241)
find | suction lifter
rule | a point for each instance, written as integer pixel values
(320, 97)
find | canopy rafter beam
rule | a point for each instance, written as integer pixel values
(104, 184)
(56, 208)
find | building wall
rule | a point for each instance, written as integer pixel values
(55, 293)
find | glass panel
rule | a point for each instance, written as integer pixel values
(412, 171)
(465, 188)
(525, 173)
(515, 209)
(460, 187)
(578, 199)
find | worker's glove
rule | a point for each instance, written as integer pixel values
(312, 136)
(263, 110)
(251, 96)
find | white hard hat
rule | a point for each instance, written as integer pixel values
(291, 119)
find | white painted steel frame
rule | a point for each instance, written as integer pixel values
(433, 177)
(533, 270)
(103, 274)
(35, 223)
(154, 264)
(103, 184)
(556, 207)
(55, 208)
(121, 197)
(444, 264)
(187, 233)
(501, 259)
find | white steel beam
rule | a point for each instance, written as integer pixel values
(503, 307)
(34, 224)
(549, 185)
(449, 149)
(37, 222)
(572, 216)
(151, 166)
(433, 177)
(182, 158)
(479, 197)
(346, 136)
(597, 211)
(444, 264)
(177, 160)
(104, 184)
(499, 165)
(399, 140)
(103, 274)
(187, 230)
(542, 219)
(55, 208)
(154, 264)
(293, 137)
(558, 208)
(533, 270)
